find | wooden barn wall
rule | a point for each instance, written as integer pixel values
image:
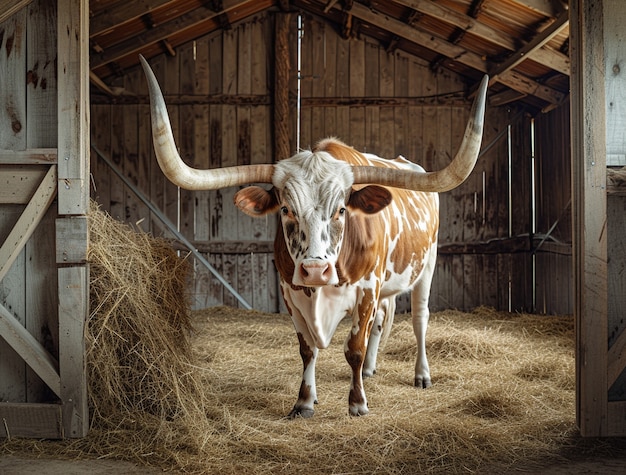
(28, 120)
(552, 242)
(419, 113)
(427, 131)
(208, 86)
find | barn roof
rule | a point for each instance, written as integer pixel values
(522, 44)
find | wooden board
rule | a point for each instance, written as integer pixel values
(37, 421)
(589, 216)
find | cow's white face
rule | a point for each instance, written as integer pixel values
(312, 193)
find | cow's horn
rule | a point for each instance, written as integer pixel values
(443, 180)
(173, 166)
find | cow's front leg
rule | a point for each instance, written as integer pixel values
(307, 395)
(355, 351)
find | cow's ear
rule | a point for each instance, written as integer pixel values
(370, 199)
(256, 201)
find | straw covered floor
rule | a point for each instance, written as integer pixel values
(208, 391)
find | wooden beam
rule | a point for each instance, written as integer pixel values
(589, 205)
(73, 200)
(35, 421)
(545, 56)
(188, 20)
(456, 53)
(28, 221)
(9, 7)
(33, 156)
(545, 7)
(121, 13)
(30, 350)
(524, 53)
(616, 360)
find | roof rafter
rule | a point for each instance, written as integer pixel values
(545, 56)
(122, 13)
(511, 78)
(162, 32)
(537, 42)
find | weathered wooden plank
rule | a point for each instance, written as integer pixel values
(136, 213)
(31, 156)
(73, 312)
(616, 418)
(12, 296)
(30, 350)
(72, 239)
(589, 212)
(36, 421)
(13, 90)
(372, 69)
(357, 68)
(28, 221)
(41, 78)
(8, 8)
(73, 106)
(42, 302)
(387, 73)
(19, 182)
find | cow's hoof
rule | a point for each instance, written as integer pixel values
(303, 412)
(422, 383)
(359, 410)
(368, 373)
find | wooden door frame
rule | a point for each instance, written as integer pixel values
(596, 415)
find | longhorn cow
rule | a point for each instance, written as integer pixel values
(355, 231)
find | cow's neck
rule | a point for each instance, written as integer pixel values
(321, 308)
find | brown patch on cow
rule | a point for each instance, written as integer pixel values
(412, 238)
(360, 247)
(305, 391)
(282, 259)
(305, 351)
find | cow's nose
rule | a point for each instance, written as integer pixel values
(315, 272)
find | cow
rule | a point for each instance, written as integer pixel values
(355, 230)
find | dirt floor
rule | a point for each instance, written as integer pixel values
(23, 465)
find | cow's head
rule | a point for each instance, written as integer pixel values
(312, 190)
(312, 194)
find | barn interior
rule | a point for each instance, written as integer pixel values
(393, 78)
(253, 81)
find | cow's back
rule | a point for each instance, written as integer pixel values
(405, 232)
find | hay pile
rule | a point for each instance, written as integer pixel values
(216, 401)
(144, 390)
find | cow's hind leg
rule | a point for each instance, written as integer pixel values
(420, 315)
(382, 325)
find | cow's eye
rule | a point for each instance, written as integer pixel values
(342, 211)
(284, 210)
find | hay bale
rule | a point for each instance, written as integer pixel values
(144, 389)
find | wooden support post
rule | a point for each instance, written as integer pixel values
(282, 119)
(589, 213)
(73, 203)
